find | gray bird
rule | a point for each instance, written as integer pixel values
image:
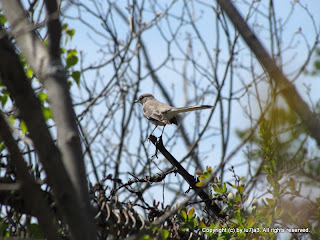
(161, 114)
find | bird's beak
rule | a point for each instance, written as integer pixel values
(136, 101)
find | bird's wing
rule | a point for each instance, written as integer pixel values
(154, 116)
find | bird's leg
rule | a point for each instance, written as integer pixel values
(162, 131)
(153, 130)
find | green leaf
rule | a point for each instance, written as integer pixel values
(145, 237)
(202, 225)
(191, 213)
(266, 169)
(71, 61)
(241, 188)
(70, 32)
(23, 126)
(237, 215)
(42, 96)
(22, 60)
(216, 188)
(47, 113)
(4, 96)
(11, 119)
(183, 214)
(64, 26)
(206, 174)
(224, 189)
(199, 184)
(69, 83)
(72, 52)
(202, 177)
(165, 234)
(76, 77)
(250, 221)
(238, 197)
(29, 72)
(2, 147)
(2, 19)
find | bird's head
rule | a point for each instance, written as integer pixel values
(143, 98)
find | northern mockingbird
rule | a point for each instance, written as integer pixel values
(161, 114)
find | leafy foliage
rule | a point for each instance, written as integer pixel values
(253, 220)
(14, 223)
(279, 146)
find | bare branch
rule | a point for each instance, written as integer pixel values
(14, 78)
(287, 89)
(30, 190)
(189, 178)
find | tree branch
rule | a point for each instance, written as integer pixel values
(287, 89)
(49, 69)
(31, 192)
(13, 76)
(46, 64)
(189, 178)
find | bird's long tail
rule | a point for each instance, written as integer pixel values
(192, 108)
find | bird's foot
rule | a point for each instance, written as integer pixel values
(152, 138)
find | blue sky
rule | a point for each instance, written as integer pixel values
(86, 41)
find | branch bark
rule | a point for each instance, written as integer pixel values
(213, 207)
(73, 199)
(31, 192)
(48, 68)
(287, 89)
